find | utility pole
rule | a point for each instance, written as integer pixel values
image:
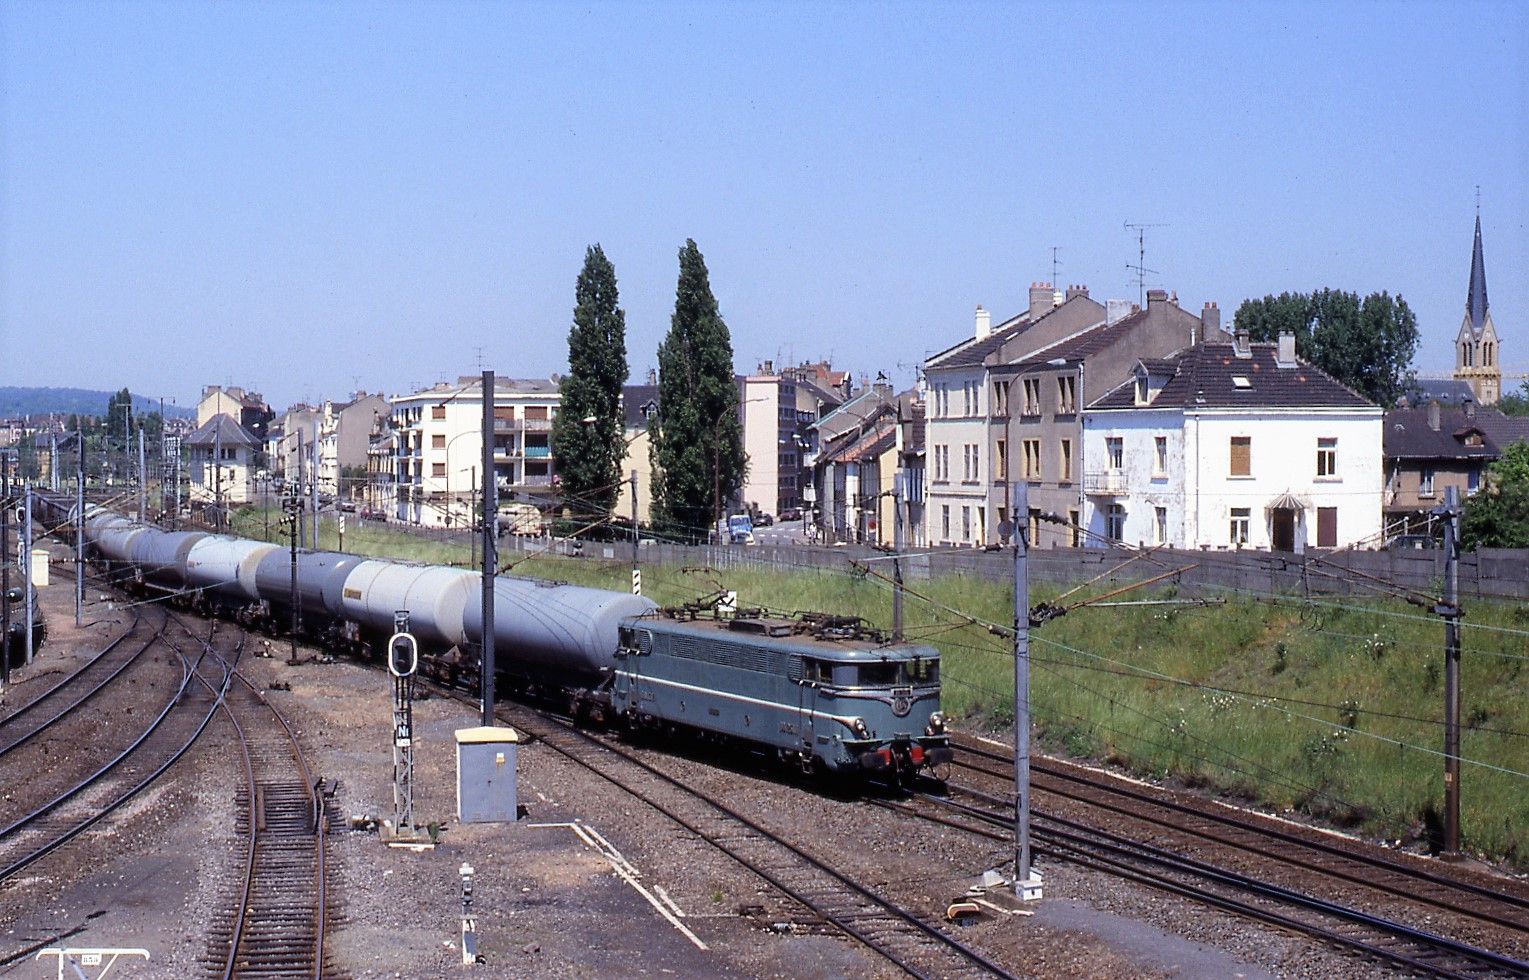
(490, 551)
(899, 483)
(26, 570)
(1027, 885)
(1450, 610)
(143, 478)
(293, 504)
(5, 572)
(79, 535)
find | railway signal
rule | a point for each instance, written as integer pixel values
(403, 661)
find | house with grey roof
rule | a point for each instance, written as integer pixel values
(222, 457)
(1431, 448)
(1233, 445)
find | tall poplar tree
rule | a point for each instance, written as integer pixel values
(588, 431)
(697, 444)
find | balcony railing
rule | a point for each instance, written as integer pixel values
(1105, 482)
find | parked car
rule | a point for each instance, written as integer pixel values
(1404, 541)
(762, 519)
(348, 506)
(373, 514)
(791, 514)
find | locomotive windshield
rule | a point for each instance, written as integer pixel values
(892, 673)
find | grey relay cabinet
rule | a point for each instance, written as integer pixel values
(486, 774)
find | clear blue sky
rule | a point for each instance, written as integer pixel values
(306, 198)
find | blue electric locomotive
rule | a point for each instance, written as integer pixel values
(824, 692)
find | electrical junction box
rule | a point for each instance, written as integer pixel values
(486, 774)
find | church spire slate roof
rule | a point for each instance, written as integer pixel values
(1476, 299)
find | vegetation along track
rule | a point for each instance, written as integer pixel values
(274, 920)
(901, 936)
(54, 816)
(1259, 868)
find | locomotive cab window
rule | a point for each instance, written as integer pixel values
(923, 671)
(817, 671)
(878, 675)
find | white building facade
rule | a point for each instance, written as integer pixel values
(1230, 446)
(440, 447)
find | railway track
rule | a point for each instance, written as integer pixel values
(1263, 872)
(274, 921)
(53, 817)
(833, 897)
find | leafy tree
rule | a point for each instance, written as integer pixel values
(588, 432)
(1497, 515)
(119, 414)
(1515, 402)
(697, 450)
(1366, 345)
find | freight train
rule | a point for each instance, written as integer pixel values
(822, 692)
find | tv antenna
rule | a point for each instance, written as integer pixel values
(1054, 263)
(1140, 268)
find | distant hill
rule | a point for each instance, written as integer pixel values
(78, 401)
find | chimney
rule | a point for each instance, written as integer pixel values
(1116, 310)
(1433, 415)
(1286, 357)
(1077, 290)
(1042, 299)
(652, 376)
(1210, 320)
(984, 322)
(768, 368)
(1156, 298)
(1240, 344)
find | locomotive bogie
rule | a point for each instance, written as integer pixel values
(434, 596)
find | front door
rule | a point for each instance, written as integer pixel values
(1282, 530)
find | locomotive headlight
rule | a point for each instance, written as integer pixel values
(858, 726)
(936, 723)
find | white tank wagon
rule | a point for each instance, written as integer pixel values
(159, 557)
(321, 579)
(226, 566)
(553, 629)
(434, 596)
(111, 539)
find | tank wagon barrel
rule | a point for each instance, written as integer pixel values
(553, 627)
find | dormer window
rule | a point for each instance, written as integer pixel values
(1143, 388)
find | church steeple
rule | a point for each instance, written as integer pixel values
(1476, 299)
(1476, 356)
